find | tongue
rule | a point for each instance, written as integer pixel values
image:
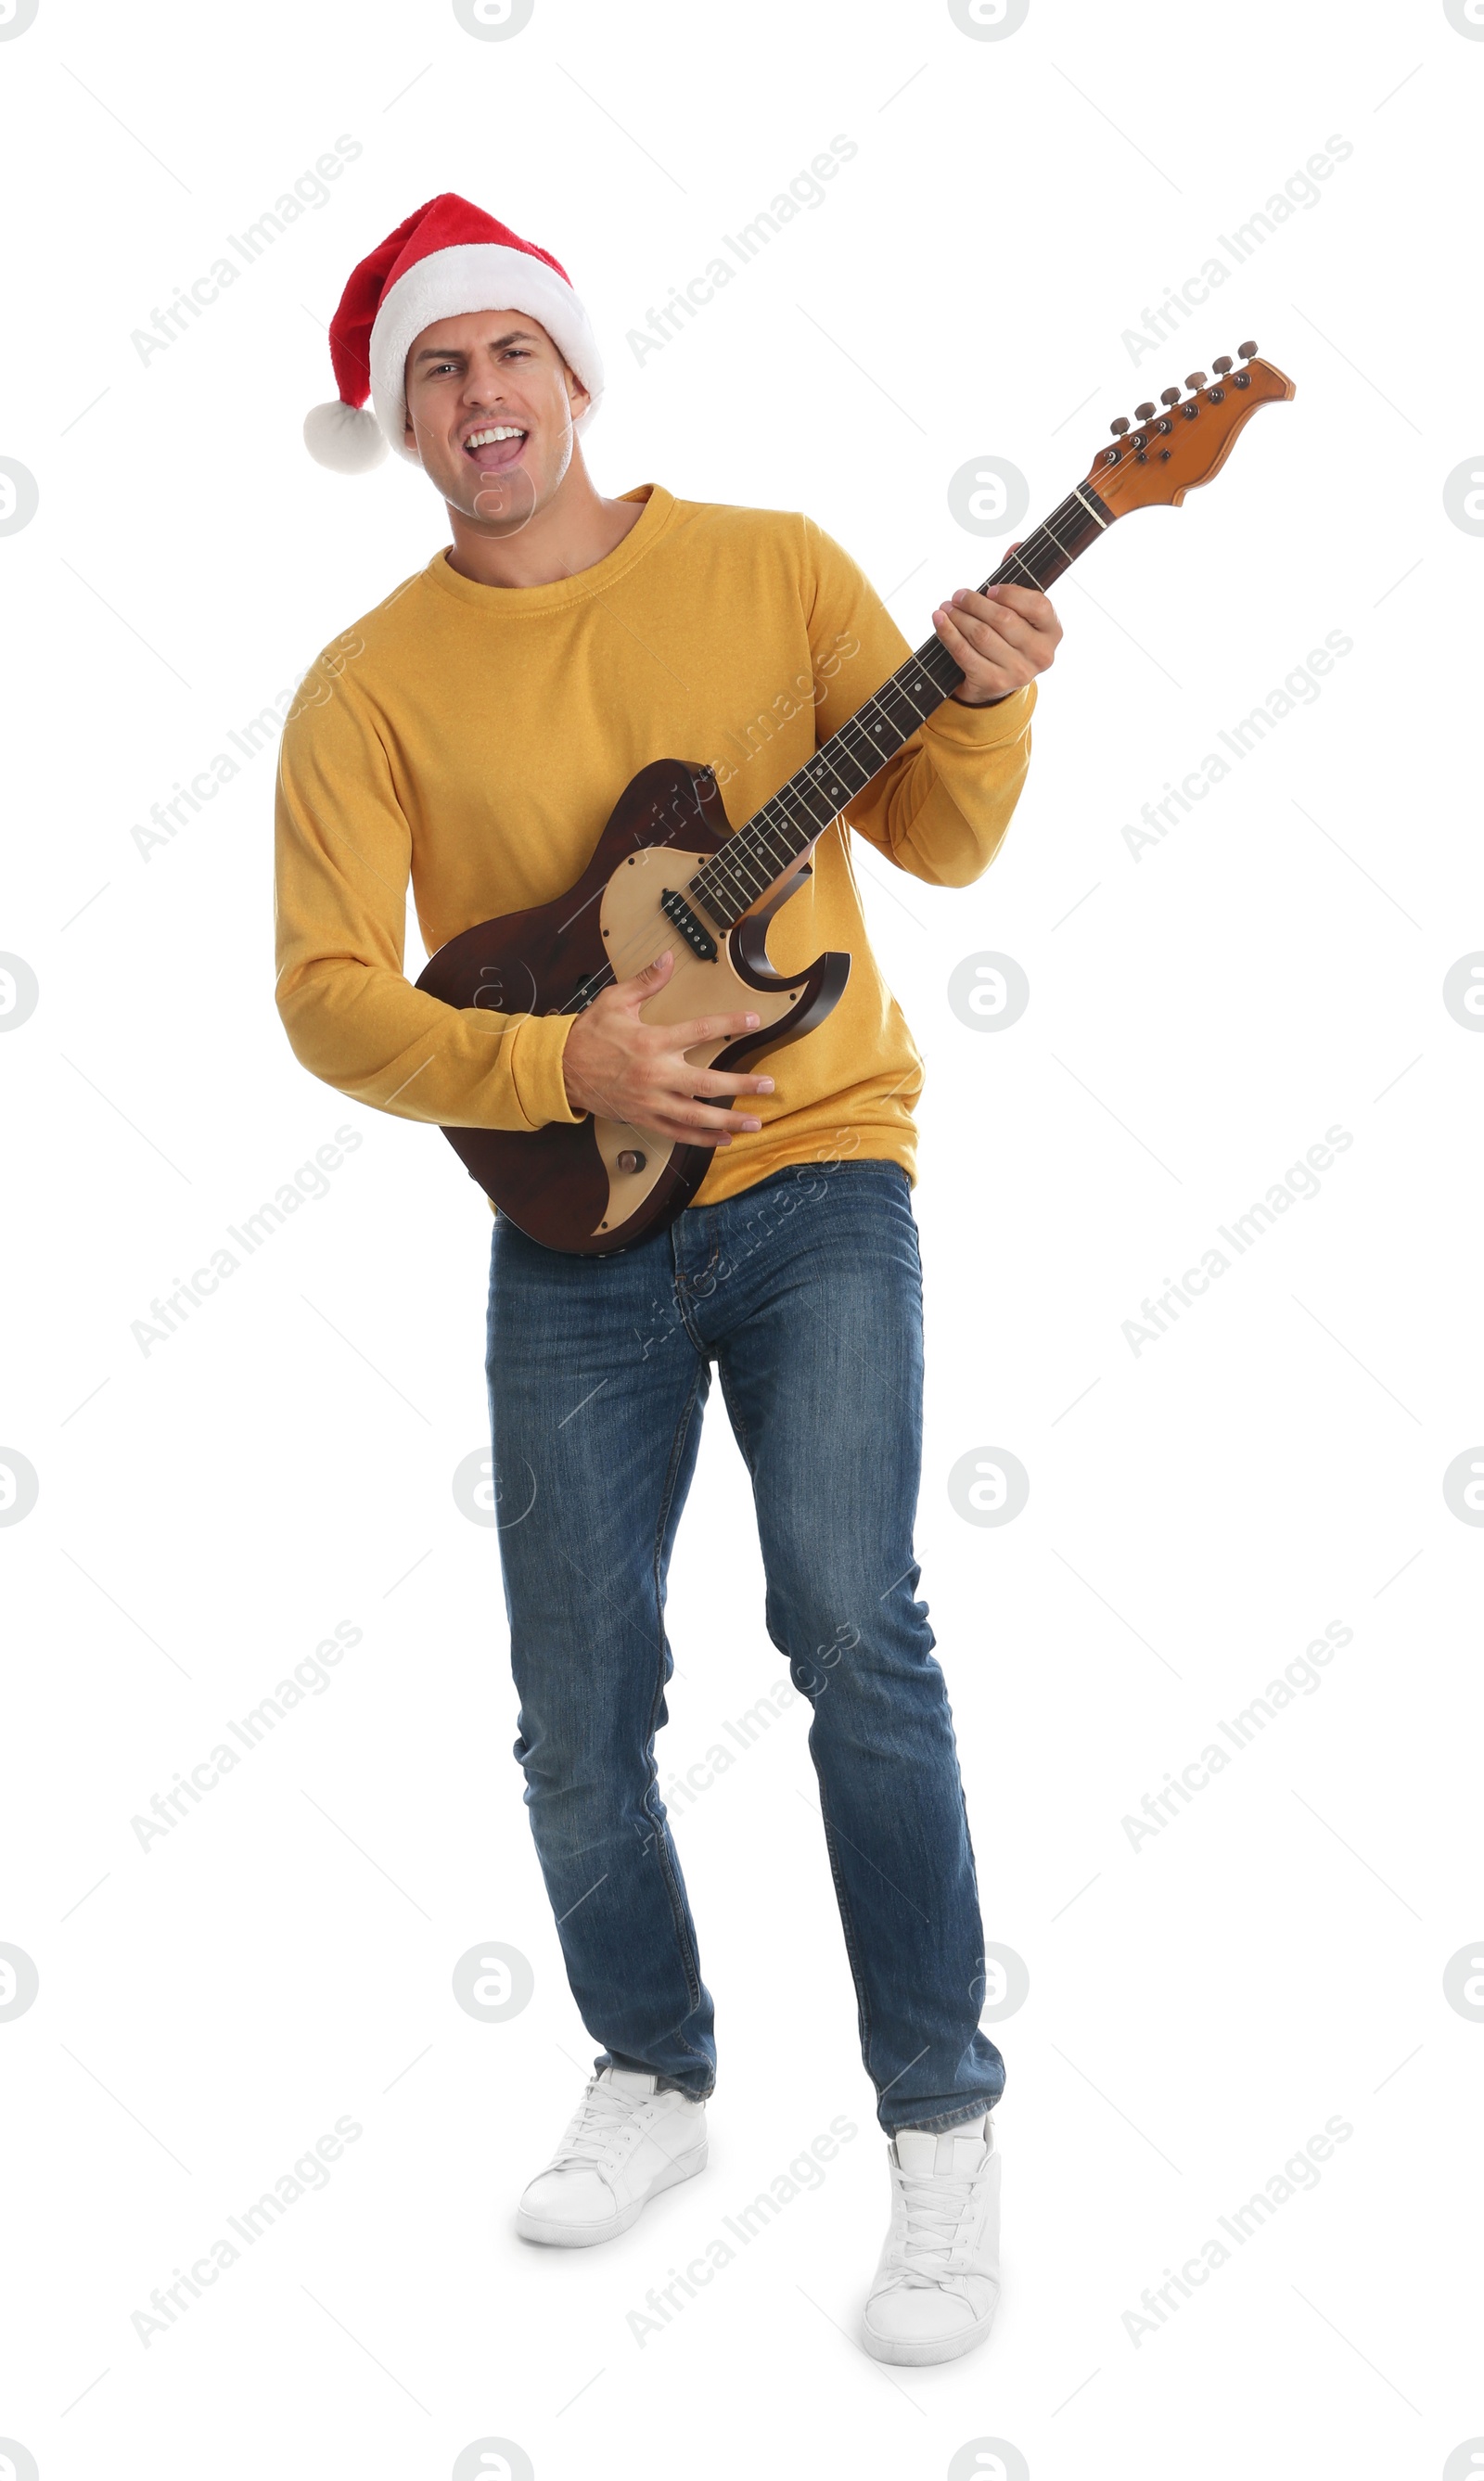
(950, 2154)
(497, 453)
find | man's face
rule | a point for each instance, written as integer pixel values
(490, 408)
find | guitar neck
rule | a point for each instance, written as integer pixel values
(756, 855)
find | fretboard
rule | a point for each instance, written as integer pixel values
(756, 855)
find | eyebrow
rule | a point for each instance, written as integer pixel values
(456, 352)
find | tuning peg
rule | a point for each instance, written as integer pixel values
(1119, 426)
(1221, 365)
(1246, 352)
(1143, 413)
(1196, 379)
(1169, 396)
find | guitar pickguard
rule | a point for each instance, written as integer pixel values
(633, 936)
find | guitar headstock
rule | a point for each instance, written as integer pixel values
(1171, 447)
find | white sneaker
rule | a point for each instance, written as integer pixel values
(938, 2283)
(623, 2144)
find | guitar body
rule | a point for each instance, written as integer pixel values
(595, 1187)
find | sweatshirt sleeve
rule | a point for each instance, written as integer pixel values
(941, 806)
(343, 858)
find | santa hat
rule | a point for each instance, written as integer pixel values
(448, 258)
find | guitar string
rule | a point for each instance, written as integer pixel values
(735, 856)
(749, 847)
(788, 808)
(791, 811)
(626, 960)
(737, 853)
(791, 808)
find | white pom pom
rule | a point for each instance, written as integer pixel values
(345, 437)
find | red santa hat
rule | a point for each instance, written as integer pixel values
(449, 257)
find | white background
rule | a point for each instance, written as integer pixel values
(1198, 2007)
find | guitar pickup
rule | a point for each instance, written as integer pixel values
(674, 905)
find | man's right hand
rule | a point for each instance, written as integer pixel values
(620, 1068)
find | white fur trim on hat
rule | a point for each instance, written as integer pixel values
(474, 275)
(344, 437)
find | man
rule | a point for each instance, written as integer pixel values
(474, 730)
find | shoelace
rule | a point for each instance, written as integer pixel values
(600, 2120)
(936, 2206)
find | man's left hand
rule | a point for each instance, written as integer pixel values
(1000, 640)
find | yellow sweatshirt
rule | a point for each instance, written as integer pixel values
(476, 739)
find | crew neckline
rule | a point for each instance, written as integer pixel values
(521, 600)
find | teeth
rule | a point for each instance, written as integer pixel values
(487, 438)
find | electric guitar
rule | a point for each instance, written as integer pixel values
(668, 870)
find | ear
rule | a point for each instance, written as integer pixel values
(577, 397)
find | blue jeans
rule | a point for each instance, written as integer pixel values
(806, 1292)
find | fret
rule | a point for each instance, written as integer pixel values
(1016, 561)
(744, 863)
(878, 726)
(860, 728)
(767, 847)
(795, 831)
(1074, 517)
(823, 767)
(847, 757)
(1050, 550)
(766, 838)
(777, 843)
(895, 721)
(725, 903)
(810, 802)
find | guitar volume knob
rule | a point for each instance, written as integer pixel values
(631, 1159)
